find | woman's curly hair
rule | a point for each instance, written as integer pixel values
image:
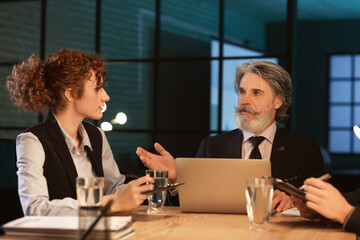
(35, 84)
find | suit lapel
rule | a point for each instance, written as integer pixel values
(235, 145)
(278, 152)
(61, 148)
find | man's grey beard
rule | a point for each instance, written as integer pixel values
(260, 121)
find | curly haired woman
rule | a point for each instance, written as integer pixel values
(52, 154)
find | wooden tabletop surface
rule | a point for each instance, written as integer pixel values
(177, 225)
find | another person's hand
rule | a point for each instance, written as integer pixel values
(281, 201)
(305, 211)
(164, 161)
(130, 195)
(326, 199)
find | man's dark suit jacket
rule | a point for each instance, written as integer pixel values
(353, 223)
(293, 157)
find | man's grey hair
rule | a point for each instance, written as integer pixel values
(278, 79)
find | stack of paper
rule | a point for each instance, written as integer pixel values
(65, 227)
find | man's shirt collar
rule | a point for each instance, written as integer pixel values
(269, 133)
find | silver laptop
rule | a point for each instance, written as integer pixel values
(216, 185)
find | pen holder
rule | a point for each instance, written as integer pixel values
(89, 194)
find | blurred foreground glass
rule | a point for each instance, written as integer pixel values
(89, 192)
(157, 201)
(259, 195)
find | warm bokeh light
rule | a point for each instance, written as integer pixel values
(106, 126)
(357, 131)
(121, 118)
(104, 108)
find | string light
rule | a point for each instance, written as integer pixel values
(357, 131)
(106, 126)
(121, 118)
(104, 108)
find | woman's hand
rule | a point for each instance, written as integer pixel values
(164, 161)
(130, 195)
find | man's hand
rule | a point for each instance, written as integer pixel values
(130, 195)
(164, 161)
(326, 200)
(281, 201)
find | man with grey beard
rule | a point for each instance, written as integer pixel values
(264, 95)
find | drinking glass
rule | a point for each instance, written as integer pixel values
(156, 201)
(259, 195)
(89, 191)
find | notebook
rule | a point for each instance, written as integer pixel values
(216, 185)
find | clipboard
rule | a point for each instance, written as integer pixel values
(289, 188)
(169, 186)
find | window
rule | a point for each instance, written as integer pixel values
(344, 103)
(229, 97)
(160, 56)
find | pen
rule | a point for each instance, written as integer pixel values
(102, 213)
(169, 186)
(324, 177)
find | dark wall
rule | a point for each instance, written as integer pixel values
(316, 40)
(183, 95)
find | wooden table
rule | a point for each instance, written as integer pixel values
(177, 225)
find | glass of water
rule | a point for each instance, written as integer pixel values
(89, 191)
(157, 201)
(259, 195)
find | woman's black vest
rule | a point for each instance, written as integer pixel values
(59, 168)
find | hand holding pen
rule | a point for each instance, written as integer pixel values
(323, 200)
(324, 177)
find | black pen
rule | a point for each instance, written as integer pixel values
(160, 189)
(102, 213)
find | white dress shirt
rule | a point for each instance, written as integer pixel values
(32, 184)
